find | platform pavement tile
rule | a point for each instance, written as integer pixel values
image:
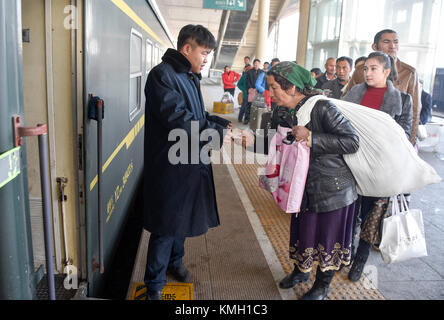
(413, 290)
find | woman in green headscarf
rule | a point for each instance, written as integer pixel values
(322, 231)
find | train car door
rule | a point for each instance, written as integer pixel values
(16, 259)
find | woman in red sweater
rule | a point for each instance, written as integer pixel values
(377, 92)
(229, 78)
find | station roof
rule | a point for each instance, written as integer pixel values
(239, 37)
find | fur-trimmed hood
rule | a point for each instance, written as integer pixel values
(178, 61)
(391, 103)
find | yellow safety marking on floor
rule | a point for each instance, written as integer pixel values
(127, 141)
(171, 291)
(130, 13)
(276, 224)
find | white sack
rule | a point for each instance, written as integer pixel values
(386, 163)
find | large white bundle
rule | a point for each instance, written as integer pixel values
(386, 163)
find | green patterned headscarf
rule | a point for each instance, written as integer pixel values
(294, 74)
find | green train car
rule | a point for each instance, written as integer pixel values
(55, 56)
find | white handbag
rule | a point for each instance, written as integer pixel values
(402, 233)
(422, 132)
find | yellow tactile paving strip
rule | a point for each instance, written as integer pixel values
(276, 224)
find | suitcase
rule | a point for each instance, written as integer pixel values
(260, 118)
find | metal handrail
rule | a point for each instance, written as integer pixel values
(41, 132)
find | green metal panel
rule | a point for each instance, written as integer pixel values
(16, 259)
(238, 5)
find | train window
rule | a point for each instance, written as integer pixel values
(155, 56)
(135, 85)
(149, 55)
(158, 55)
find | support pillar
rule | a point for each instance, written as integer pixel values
(262, 29)
(304, 19)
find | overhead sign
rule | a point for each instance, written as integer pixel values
(239, 5)
(9, 166)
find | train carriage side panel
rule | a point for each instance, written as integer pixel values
(115, 38)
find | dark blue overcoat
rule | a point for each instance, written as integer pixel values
(179, 198)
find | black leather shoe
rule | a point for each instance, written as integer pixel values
(246, 121)
(181, 274)
(294, 278)
(317, 292)
(153, 295)
(357, 268)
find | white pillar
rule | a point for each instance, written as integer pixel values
(304, 17)
(262, 29)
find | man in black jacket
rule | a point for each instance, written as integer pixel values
(180, 199)
(250, 81)
(329, 74)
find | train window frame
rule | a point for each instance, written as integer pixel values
(148, 49)
(155, 57)
(134, 110)
(158, 55)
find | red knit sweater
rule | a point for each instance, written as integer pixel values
(373, 97)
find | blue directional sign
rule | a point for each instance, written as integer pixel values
(239, 5)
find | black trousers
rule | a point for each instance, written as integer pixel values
(231, 91)
(164, 253)
(367, 204)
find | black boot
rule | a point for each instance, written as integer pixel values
(181, 273)
(357, 268)
(293, 278)
(153, 295)
(319, 291)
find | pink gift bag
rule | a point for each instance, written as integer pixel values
(286, 171)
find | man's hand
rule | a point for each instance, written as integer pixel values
(228, 136)
(243, 137)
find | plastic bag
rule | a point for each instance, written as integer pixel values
(386, 163)
(286, 171)
(403, 235)
(227, 98)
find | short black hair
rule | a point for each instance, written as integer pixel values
(378, 36)
(275, 60)
(256, 60)
(198, 33)
(360, 59)
(316, 71)
(348, 59)
(247, 57)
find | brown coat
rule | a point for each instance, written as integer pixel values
(407, 82)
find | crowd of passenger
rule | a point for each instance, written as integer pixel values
(379, 81)
(322, 234)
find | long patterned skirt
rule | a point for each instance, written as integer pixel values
(325, 238)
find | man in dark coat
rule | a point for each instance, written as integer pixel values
(426, 101)
(250, 82)
(179, 195)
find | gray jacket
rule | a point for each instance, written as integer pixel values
(395, 103)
